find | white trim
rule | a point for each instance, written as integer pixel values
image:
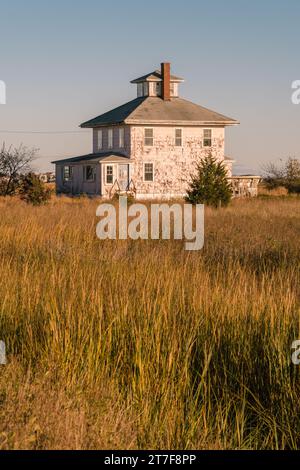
(142, 122)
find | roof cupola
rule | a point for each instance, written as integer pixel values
(159, 83)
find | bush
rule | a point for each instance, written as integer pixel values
(210, 184)
(32, 190)
(287, 175)
(293, 186)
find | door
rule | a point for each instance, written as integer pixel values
(123, 176)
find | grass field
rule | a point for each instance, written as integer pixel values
(141, 344)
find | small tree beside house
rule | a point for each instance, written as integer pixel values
(32, 190)
(209, 185)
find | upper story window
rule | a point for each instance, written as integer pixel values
(140, 90)
(121, 137)
(149, 137)
(148, 172)
(207, 137)
(99, 139)
(174, 89)
(145, 89)
(67, 173)
(178, 137)
(89, 172)
(110, 138)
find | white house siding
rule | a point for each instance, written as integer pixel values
(125, 150)
(172, 165)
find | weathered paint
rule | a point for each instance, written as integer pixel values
(173, 165)
(115, 148)
(78, 185)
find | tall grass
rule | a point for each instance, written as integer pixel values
(141, 344)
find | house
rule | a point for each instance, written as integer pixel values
(148, 146)
(48, 177)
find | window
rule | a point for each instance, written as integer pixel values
(148, 172)
(109, 176)
(89, 173)
(178, 137)
(158, 88)
(67, 173)
(145, 89)
(110, 139)
(149, 137)
(99, 139)
(207, 138)
(121, 137)
(140, 90)
(174, 89)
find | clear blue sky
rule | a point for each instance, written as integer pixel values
(67, 61)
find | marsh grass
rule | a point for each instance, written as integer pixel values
(140, 344)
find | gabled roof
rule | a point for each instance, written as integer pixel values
(155, 77)
(96, 157)
(154, 110)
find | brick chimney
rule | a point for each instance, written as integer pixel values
(165, 74)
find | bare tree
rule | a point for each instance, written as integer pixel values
(286, 174)
(292, 169)
(14, 162)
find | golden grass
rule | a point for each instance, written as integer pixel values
(140, 344)
(280, 191)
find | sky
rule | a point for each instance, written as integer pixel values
(64, 62)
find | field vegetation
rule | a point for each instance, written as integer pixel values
(141, 344)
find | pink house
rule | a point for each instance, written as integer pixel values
(148, 146)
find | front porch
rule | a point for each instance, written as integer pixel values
(116, 177)
(245, 185)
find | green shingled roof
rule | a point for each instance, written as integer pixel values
(154, 110)
(116, 115)
(97, 157)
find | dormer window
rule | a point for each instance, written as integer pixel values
(145, 89)
(140, 90)
(158, 83)
(174, 89)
